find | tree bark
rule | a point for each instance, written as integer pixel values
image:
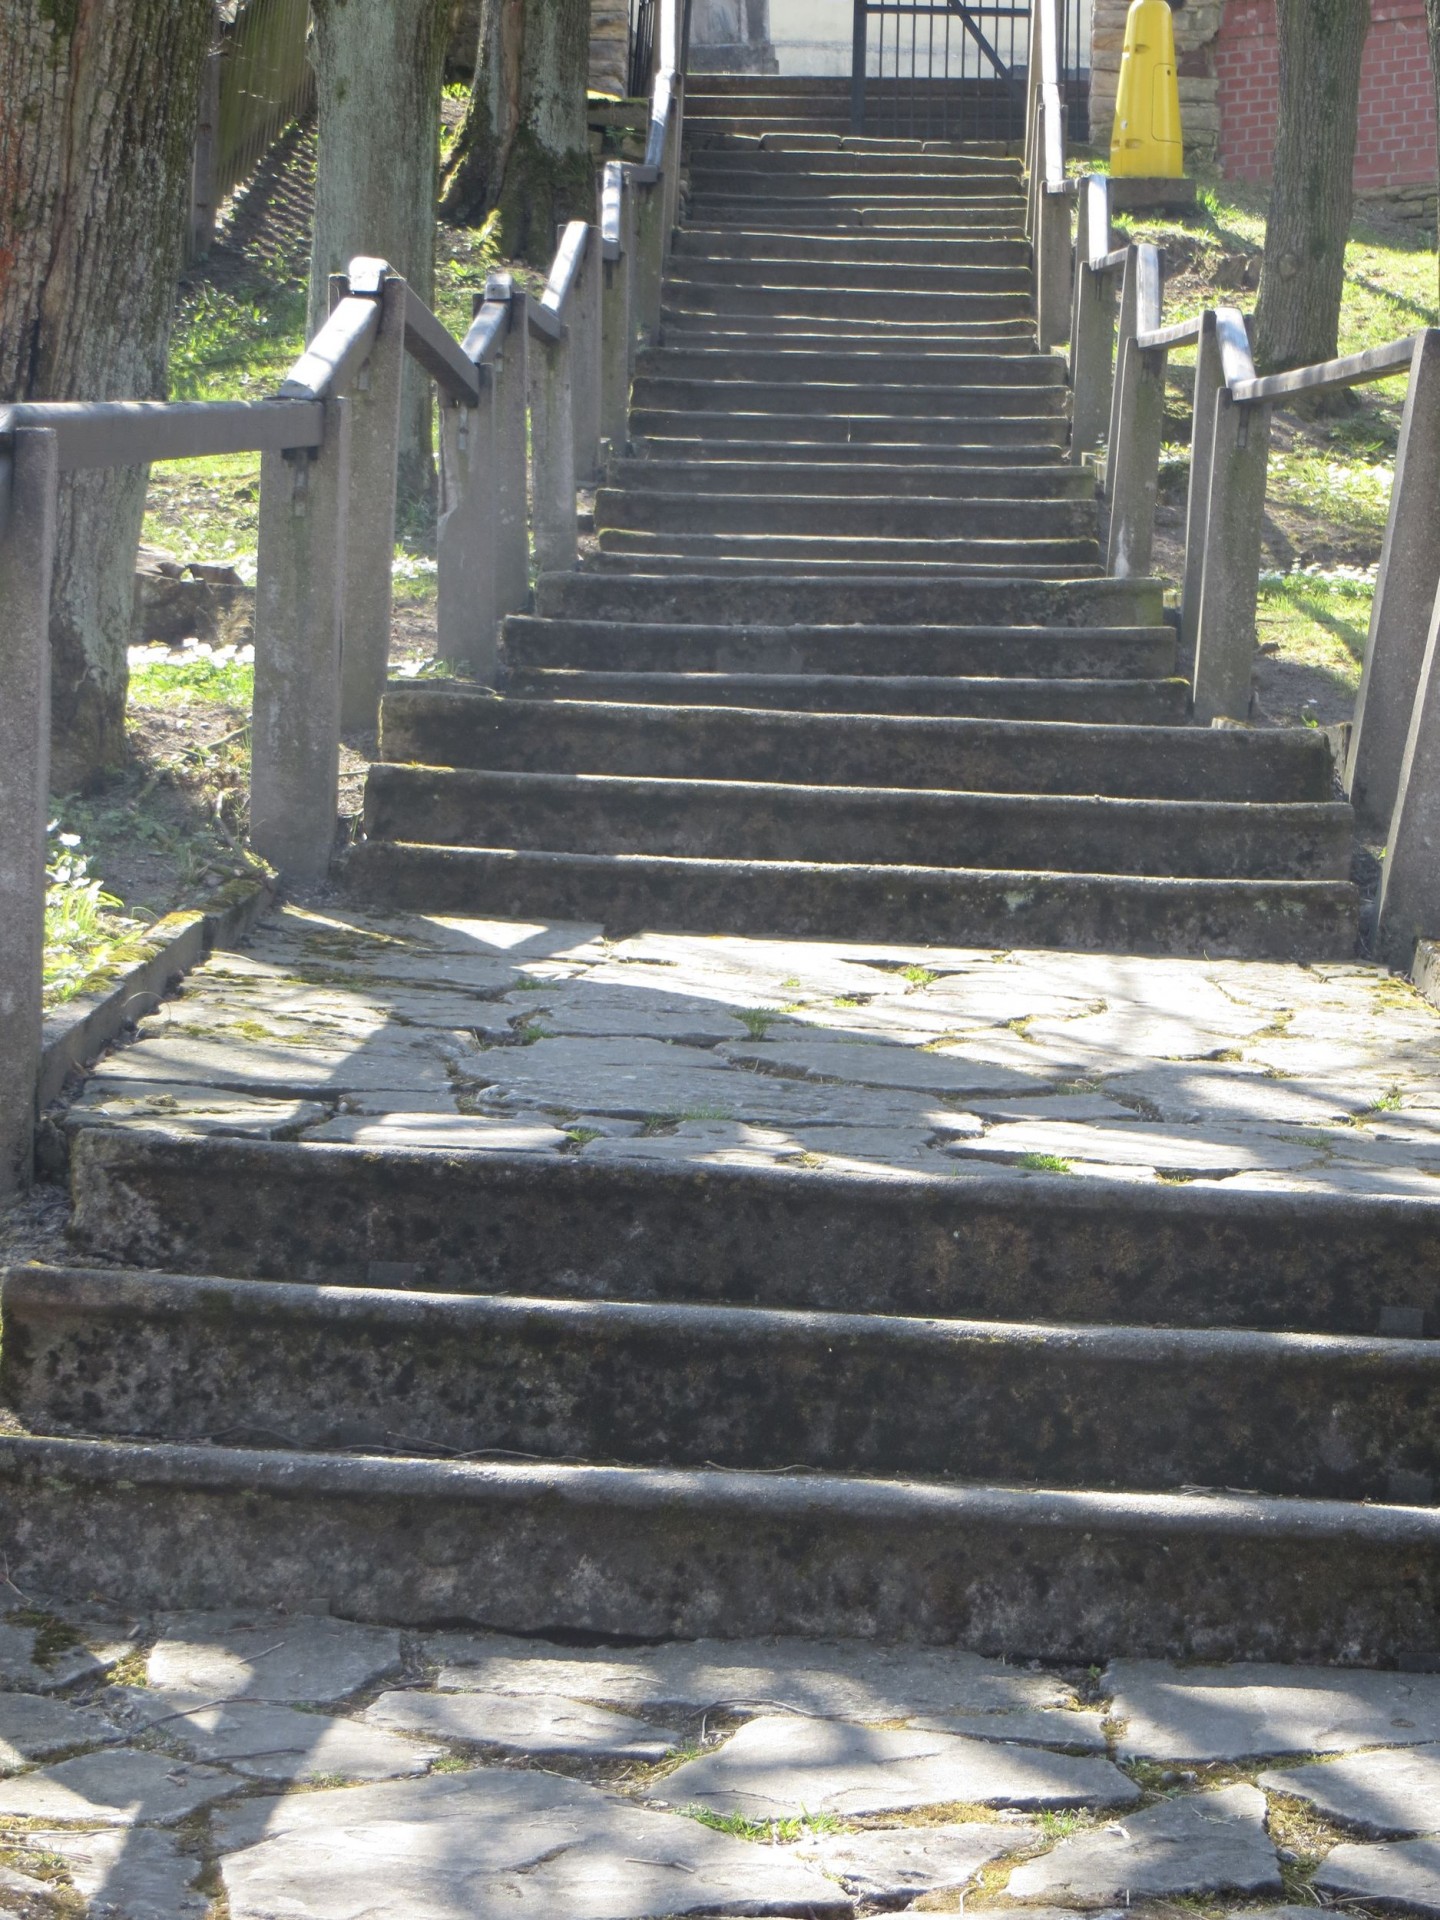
(1432, 16)
(96, 144)
(378, 68)
(524, 147)
(1297, 320)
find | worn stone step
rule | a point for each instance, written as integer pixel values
(848, 397)
(1295, 920)
(894, 486)
(450, 725)
(1125, 702)
(759, 334)
(757, 553)
(1004, 301)
(949, 434)
(872, 515)
(900, 251)
(1076, 654)
(688, 445)
(1074, 1576)
(755, 820)
(820, 163)
(819, 216)
(771, 266)
(819, 600)
(187, 1359)
(990, 1247)
(729, 367)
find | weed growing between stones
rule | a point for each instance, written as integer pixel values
(757, 1021)
(1044, 1163)
(774, 1833)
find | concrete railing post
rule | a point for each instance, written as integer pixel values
(1124, 332)
(1134, 463)
(510, 440)
(299, 602)
(374, 456)
(586, 364)
(467, 607)
(1092, 329)
(618, 328)
(552, 451)
(28, 494)
(1209, 379)
(1054, 263)
(1230, 567)
(1404, 597)
(650, 262)
(1409, 905)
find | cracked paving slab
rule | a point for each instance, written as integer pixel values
(1402, 1873)
(272, 1658)
(479, 1845)
(775, 1768)
(1203, 1843)
(524, 1723)
(1388, 1793)
(273, 1742)
(140, 1874)
(901, 1863)
(1248, 1712)
(403, 1029)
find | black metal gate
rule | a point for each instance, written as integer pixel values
(950, 70)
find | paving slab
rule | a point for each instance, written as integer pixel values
(1202, 1843)
(276, 1743)
(281, 1658)
(867, 1064)
(32, 1727)
(1204, 1148)
(120, 1787)
(1247, 1712)
(534, 1724)
(99, 1649)
(139, 1874)
(827, 1679)
(1402, 1873)
(780, 1768)
(467, 1133)
(1387, 1791)
(277, 1066)
(900, 1863)
(494, 1842)
(188, 1109)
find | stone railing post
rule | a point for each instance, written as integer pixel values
(587, 367)
(511, 442)
(552, 450)
(299, 602)
(467, 599)
(1092, 333)
(1404, 596)
(28, 493)
(1209, 379)
(374, 457)
(1409, 905)
(1125, 329)
(1230, 565)
(649, 263)
(1133, 464)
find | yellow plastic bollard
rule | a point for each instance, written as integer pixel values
(1147, 140)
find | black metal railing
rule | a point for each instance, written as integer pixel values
(642, 47)
(955, 70)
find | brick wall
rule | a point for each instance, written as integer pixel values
(1395, 150)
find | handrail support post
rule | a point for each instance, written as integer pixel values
(1230, 569)
(374, 460)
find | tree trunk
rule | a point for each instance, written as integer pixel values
(378, 66)
(523, 146)
(96, 146)
(1297, 320)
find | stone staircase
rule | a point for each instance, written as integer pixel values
(845, 661)
(843, 665)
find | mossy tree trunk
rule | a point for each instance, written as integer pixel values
(1297, 320)
(378, 68)
(96, 148)
(523, 147)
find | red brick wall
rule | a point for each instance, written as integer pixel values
(1396, 145)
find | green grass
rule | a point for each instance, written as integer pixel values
(231, 682)
(1044, 1163)
(775, 1833)
(87, 931)
(1317, 620)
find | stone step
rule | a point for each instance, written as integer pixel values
(452, 725)
(629, 646)
(839, 250)
(842, 304)
(895, 487)
(758, 554)
(872, 515)
(755, 820)
(819, 600)
(735, 179)
(772, 334)
(728, 367)
(948, 434)
(1210, 1253)
(176, 1358)
(1126, 702)
(819, 163)
(807, 452)
(772, 267)
(854, 209)
(843, 399)
(1294, 920)
(617, 1551)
